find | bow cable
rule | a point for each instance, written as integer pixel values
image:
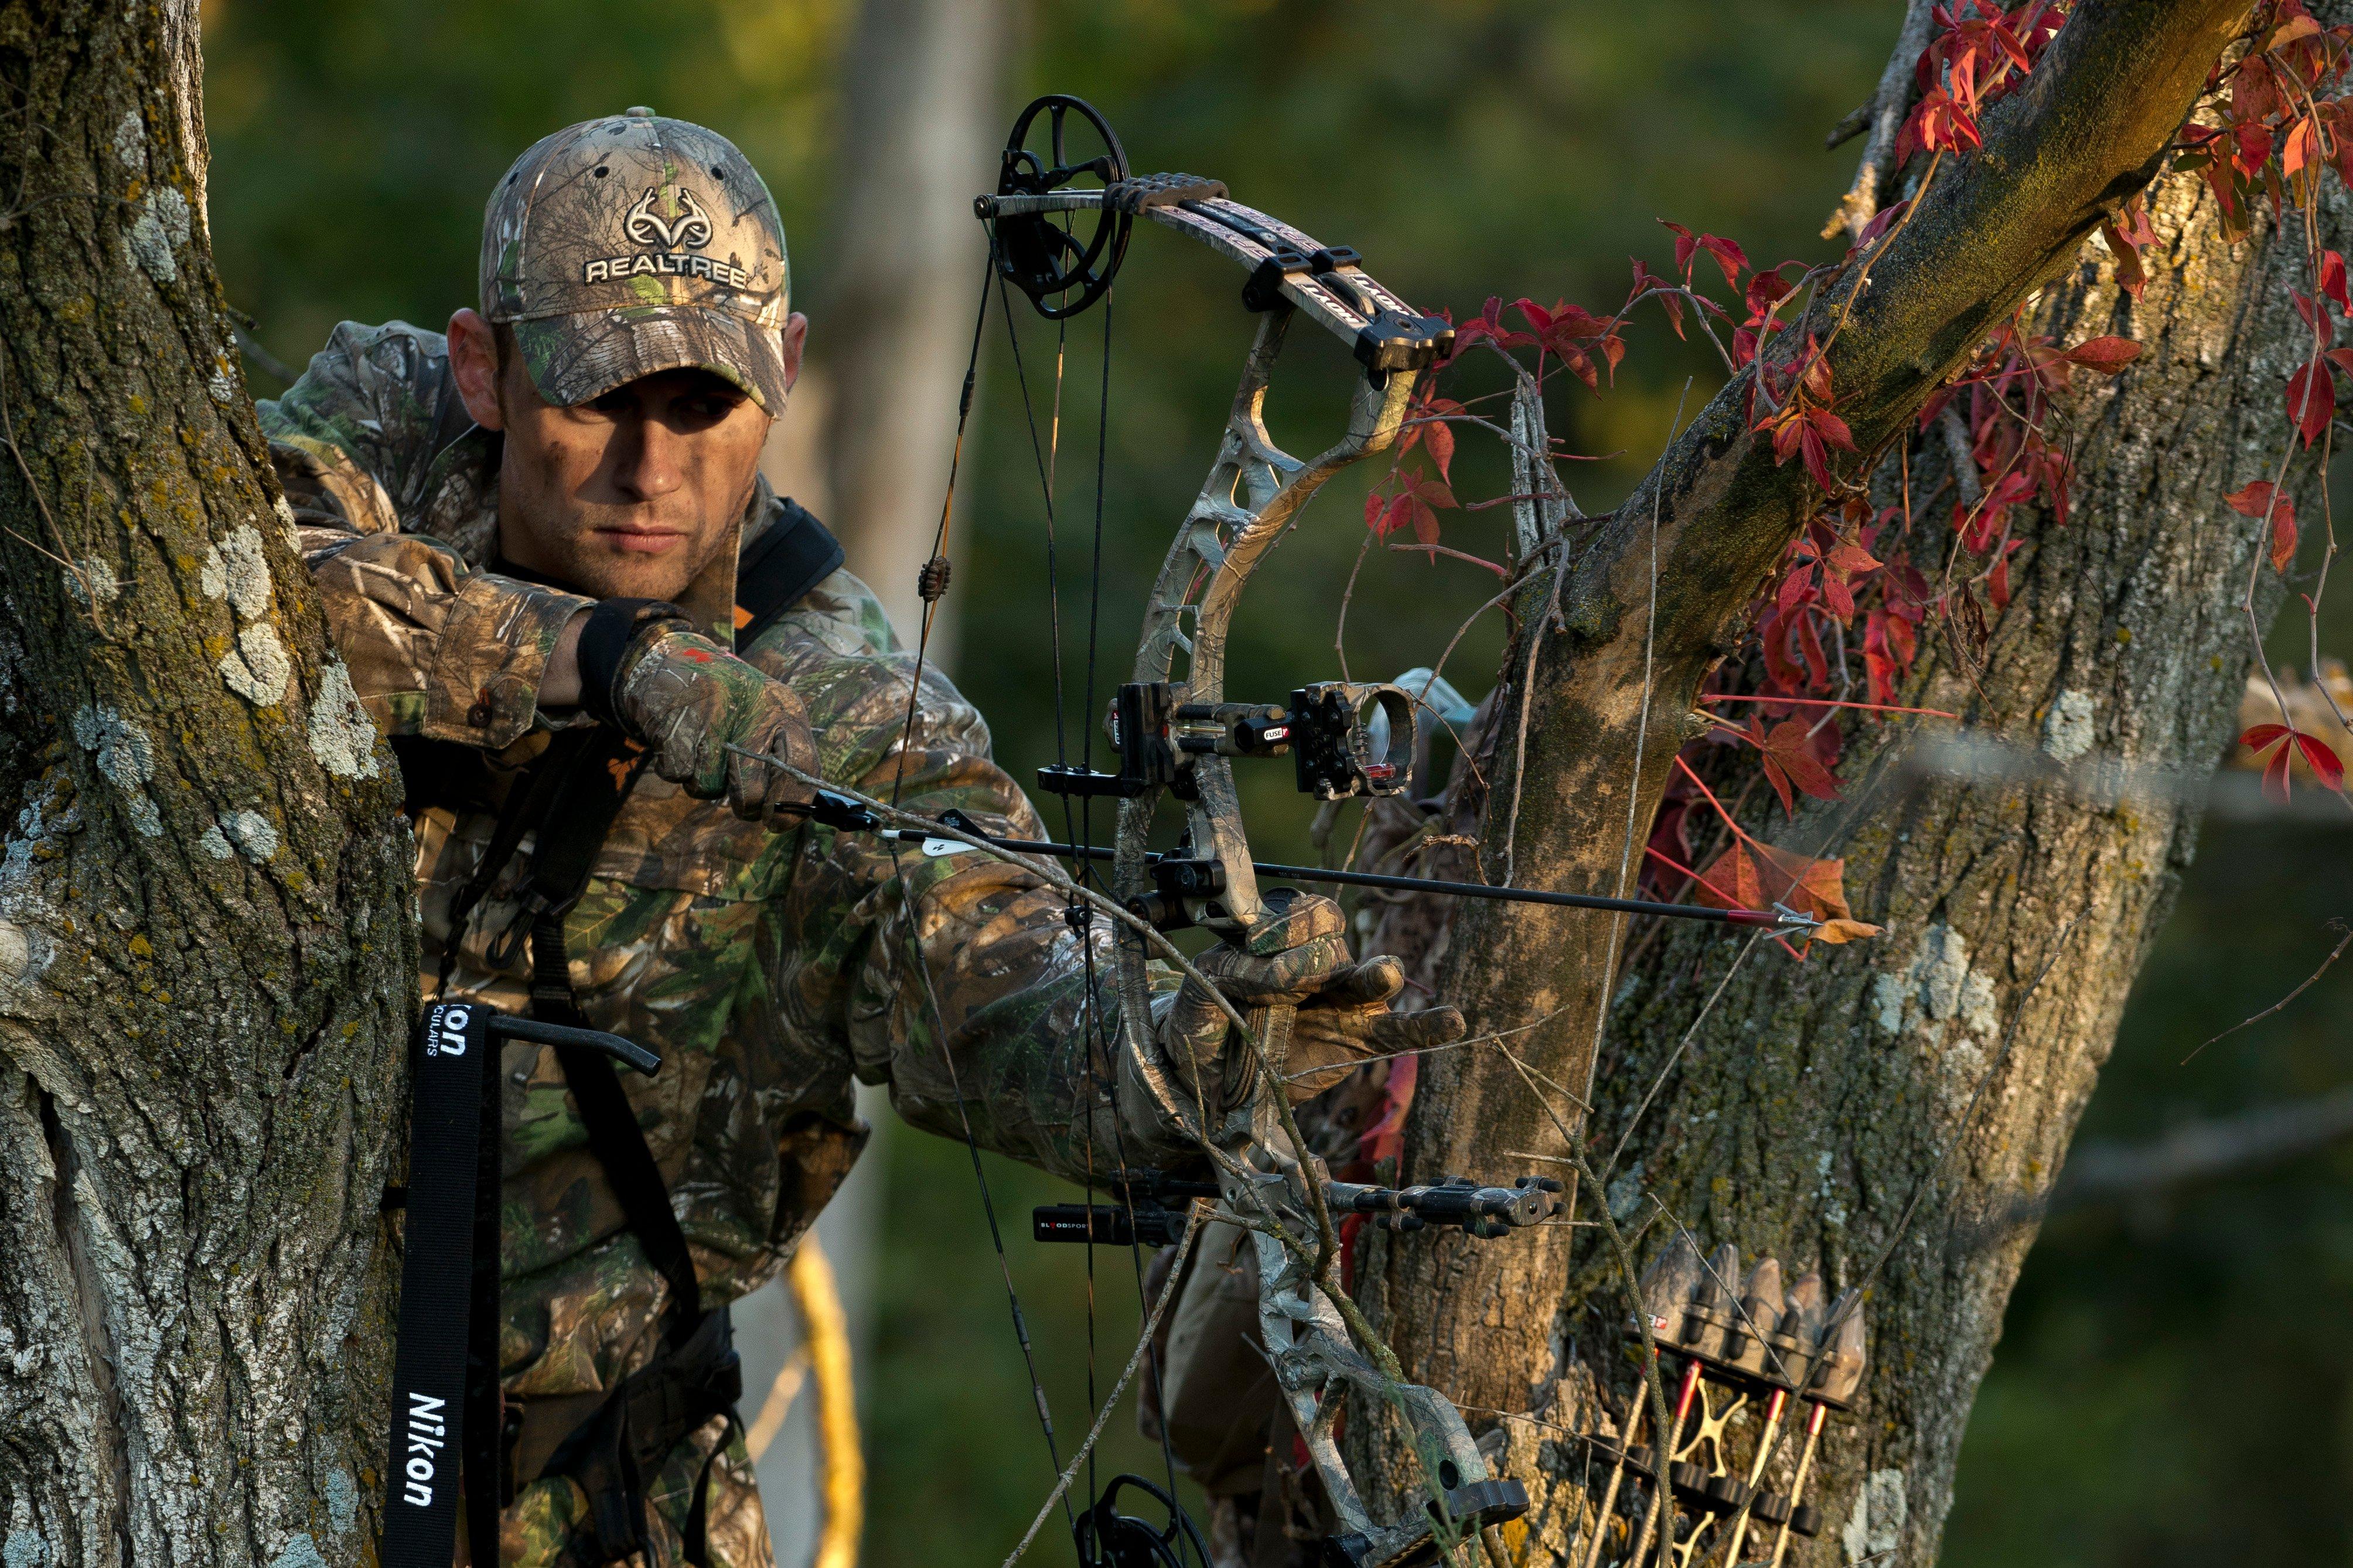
(933, 583)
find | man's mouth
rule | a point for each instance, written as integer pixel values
(640, 541)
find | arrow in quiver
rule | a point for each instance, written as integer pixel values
(1733, 1348)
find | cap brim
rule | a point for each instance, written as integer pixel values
(573, 359)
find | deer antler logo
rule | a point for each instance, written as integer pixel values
(690, 230)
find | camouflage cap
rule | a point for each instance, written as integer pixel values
(622, 247)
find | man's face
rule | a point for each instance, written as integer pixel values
(628, 495)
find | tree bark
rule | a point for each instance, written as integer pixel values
(206, 959)
(1814, 1104)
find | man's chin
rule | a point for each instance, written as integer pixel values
(609, 572)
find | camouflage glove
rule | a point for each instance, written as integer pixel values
(1344, 1008)
(689, 701)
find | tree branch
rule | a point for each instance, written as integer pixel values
(2202, 1151)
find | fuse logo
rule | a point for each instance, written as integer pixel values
(428, 1436)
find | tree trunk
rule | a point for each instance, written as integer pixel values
(1815, 1104)
(207, 956)
(921, 92)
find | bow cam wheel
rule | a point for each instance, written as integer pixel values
(1110, 1539)
(1063, 260)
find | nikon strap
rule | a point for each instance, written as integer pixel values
(454, 1106)
(445, 1389)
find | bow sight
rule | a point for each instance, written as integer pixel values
(1339, 753)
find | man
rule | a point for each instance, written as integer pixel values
(566, 594)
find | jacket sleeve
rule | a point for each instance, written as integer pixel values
(363, 447)
(956, 977)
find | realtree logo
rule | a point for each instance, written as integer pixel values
(689, 230)
(677, 237)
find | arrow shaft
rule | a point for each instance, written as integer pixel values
(1405, 884)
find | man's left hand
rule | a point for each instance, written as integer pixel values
(1345, 1016)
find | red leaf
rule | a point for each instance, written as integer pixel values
(1851, 558)
(1817, 466)
(2276, 775)
(2312, 399)
(1425, 521)
(1439, 437)
(1646, 280)
(2292, 29)
(2253, 499)
(2259, 499)
(1684, 246)
(2321, 761)
(1428, 492)
(1880, 225)
(1728, 257)
(2332, 279)
(2263, 736)
(2105, 355)
(2131, 277)
(1838, 596)
(2303, 146)
(2283, 534)
(1833, 429)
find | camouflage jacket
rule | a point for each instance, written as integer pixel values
(767, 969)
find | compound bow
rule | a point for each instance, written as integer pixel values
(1060, 229)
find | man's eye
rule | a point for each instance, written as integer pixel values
(613, 404)
(711, 408)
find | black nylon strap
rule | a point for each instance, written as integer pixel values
(620, 1147)
(604, 640)
(449, 1066)
(795, 555)
(582, 813)
(485, 1416)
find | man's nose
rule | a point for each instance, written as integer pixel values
(650, 463)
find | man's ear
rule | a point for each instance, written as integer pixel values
(796, 334)
(474, 366)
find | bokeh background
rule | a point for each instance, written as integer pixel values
(2172, 1387)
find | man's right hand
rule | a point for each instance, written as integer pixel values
(691, 701)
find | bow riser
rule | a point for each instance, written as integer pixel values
(1219, 545)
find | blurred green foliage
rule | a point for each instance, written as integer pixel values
(2172, 1389)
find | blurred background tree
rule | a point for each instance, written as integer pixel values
(2170, 1388)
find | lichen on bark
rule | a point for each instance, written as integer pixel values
(199, 1052)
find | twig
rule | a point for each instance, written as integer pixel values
(1143, 1343)
(1885, 111)
(2335, 953)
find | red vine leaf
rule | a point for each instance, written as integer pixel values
(1758, 875)
(2261, 499)
(2312, 399)
(1789, 758)
(2315, 752)
(2105, 355)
